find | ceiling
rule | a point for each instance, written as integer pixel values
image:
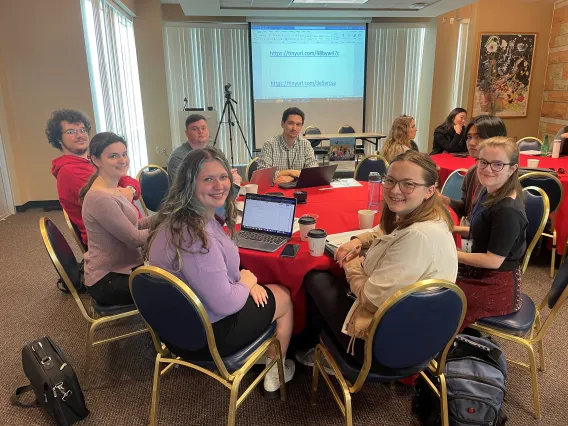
(287, 8)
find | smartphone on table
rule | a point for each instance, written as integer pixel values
(290, 250)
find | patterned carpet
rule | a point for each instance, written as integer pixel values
(121, 378)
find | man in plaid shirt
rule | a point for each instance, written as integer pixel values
(288, 152)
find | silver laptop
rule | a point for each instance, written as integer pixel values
(264, 178)
(268, 222)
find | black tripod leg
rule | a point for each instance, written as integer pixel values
(220, 122)
(241, 130)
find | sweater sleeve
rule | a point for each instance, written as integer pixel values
(108, 213)
(310, 160)
(457, 143)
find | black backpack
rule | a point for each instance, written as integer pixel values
(476, 371)
(53, 381)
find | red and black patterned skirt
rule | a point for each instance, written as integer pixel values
(489, 293)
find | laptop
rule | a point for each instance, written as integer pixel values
(268, 222)
(264, 178)
(312, 176)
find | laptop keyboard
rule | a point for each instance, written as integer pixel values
(263, 238)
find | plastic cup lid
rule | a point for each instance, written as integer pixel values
(306, 220)
(317, 233)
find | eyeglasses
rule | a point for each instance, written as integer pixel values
(496, 166)
(406, 186)
(73, 131)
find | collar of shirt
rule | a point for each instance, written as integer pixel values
(283, 143)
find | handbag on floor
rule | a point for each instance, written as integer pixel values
(53, 381)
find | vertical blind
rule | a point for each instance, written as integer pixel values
(200, 60)
(114, 77)
(461, 57)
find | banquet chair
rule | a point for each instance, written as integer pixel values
(316, 143)
(251, 168)
(410, 333)
(371, 163)
(75, 232)
(154, 185)
(529, 144)
(180, 325)
(527, 327)
(359, 150)
(453, 184)
(537, 210)
(555, 192)
(67, 267)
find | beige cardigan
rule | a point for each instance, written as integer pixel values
(421, 251)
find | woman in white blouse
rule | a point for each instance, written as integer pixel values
(413, 242)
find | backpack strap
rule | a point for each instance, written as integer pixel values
(15, 398)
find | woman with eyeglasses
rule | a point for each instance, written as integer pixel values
(478, 129)
(413, 242)
(401, 137)
(450, 136)
(490, 275)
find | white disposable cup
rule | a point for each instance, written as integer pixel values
(366, 218)
(251, 188)
(317, 244)
(532, 163)
(304, 229)
(556, 148)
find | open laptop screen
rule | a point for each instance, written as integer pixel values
(266, 213)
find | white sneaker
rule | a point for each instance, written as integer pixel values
(271, 381)
(307, 357)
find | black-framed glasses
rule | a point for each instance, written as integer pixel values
(496, 166)
(82, 130)
(406, 186)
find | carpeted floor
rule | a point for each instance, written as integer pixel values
(120, 388)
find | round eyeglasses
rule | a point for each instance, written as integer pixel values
(406, 186)
(496, 166)
(73, 131)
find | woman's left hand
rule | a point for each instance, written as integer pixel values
(259, 295)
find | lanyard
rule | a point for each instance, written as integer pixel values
(288, 155)
(476, 210)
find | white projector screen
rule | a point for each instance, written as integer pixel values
(317, 68)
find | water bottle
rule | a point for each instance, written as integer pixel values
(375, 196)
(544, 147)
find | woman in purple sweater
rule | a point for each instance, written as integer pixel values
(187, 241)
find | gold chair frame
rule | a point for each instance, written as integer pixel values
(540, 228)
(93, 321)
(458, 171)
(371, 157)
(531, 138)
(436, 368)
(230, 381)
(248, 166)
(553, 214)
(76, 237)
(155, 166)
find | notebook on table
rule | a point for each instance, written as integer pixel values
(312, 176)
(268, 222)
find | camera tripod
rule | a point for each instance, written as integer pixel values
(230, 111)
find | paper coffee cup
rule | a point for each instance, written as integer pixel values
(316, 241)
(307, 223)
(532, 163)
(366, 218)
(251, 188)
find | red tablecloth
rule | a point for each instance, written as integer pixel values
(448, 163)
(337, 212)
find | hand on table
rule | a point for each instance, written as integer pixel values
(259, 295)
(348, 251)
(283, 179)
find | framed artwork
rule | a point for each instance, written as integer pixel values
(504, 72)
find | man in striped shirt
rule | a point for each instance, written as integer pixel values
(288, 152)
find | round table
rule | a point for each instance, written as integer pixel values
(337, 212)
(448, 163)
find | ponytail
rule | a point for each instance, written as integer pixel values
(83, 191)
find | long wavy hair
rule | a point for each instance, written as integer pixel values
(430, 209)
(96, 147)
(448, 124)
(181, 210)
(398, 137)
(512, 184)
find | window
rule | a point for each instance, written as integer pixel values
(113, 69)
(461, 57)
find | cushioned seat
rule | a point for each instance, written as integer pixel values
(517, 324)
(108, 310)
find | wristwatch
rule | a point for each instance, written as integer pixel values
(134, 193)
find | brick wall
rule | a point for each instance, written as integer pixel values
(554, 112)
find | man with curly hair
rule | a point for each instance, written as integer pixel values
(68, 131)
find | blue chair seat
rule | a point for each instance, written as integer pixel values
(350, 367)
(518, 323)
(108, 310)
(235, 361)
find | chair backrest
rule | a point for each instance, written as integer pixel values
(413, 326)
(63, 259)
(453, 184)
(251, 168)
(549, 183)
(537, 209)
(346, 128)
(173, 312)
(529, 144)
(558, 285)
(154, 185)
(313, 130)
(75, 232)
(371, 163)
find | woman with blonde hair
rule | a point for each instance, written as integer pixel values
(414, 242)
(490, 275)
(401, 137)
